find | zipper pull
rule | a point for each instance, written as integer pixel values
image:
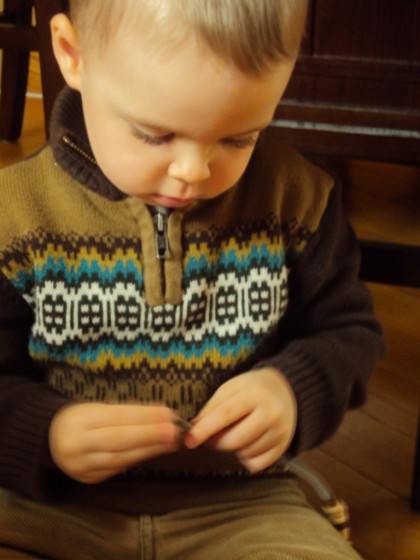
(160, 219)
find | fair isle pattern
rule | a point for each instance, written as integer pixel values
(88, 300)
(185, 391)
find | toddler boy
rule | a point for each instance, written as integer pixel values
(166, 259)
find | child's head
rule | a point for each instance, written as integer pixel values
(175, 92)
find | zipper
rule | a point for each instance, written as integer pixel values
(78, 149)
(160, 219)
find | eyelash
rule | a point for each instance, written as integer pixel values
(240, 143)
(152, 140)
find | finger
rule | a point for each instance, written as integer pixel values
(124, 438)
(219, 419)
(263, 461)
(126, 459)
(112, 463)
(224, 393)
(103, 415)
(262, 445)
(97, 476)
(243, 433)
(231, 403)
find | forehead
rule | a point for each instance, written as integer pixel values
(186, 88)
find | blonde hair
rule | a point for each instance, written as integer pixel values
(250, 34)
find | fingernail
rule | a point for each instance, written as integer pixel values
(190, 441)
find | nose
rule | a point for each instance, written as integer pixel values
(190, 165)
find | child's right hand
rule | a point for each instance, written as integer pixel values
(91, 442)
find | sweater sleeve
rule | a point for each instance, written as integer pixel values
(329, 341)
(27, 404)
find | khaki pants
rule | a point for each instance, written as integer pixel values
(270, 520)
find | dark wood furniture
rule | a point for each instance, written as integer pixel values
(18, 36)
(356, 87)
(415, 493)
(355, 94)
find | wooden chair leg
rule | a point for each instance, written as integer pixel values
(14, 75)
(415, 492)
(14, 80)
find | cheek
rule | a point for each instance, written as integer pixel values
(230, 170)
(129, 177)
(131, 170)
(122, 159)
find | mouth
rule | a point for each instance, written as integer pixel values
(170, 202)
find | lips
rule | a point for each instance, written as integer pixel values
(170, 202)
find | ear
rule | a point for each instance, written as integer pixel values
(67, 51)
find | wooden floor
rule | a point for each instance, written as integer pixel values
(369, 462)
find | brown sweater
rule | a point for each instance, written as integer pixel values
(266, 273)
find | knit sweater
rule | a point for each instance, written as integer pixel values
(106, 299)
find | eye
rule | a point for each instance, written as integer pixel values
(150, 139)
(240, 143)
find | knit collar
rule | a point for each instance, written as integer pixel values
(70, 145)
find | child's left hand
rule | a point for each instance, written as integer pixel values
(253, 415)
